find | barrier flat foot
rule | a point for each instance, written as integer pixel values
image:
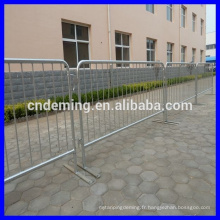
(80, 175)
(87, 169)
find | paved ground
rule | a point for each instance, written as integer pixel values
(149, 166)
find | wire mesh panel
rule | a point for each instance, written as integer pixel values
(205, 77)
(122, 89)
(35, 134)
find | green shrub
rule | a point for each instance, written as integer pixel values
(97, 95)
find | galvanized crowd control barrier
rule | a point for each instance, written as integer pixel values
(35, 141)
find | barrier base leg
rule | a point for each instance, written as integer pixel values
(80, 175)
(167, 122)
(87, 169)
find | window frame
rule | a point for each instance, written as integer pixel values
(77, 41)
(152, 9)
(183, 16)
(201, 55)
(122, 47)
(193, 55)
(183, 47)
(193, 22)
(170, 9)
(150, 49)
(201, 27)
(170, 52)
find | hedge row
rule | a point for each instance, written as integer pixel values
(21, 108)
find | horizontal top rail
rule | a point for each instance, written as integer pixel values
(26, 60)
(203, 63)
(116, 62)
(181, 63)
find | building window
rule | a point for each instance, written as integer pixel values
(170, 13)
(201, 28)
(169, 52)
(201, 55)
(150, 8)
(183, 17)
(183, 54)
(193, 55)
(75, 43)
(193, 22)
(210, 46)
(122, 47)
(151, 50)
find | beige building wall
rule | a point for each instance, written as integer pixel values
(35, 31)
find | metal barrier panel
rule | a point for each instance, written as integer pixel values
(115, 82)
(180, 83)
(34, 138)
(205, 72)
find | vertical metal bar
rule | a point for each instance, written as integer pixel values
(196, 84)
(45, 92)
(97, 90)
(81, 122)
(212, 91)
(109, 86)
(103, 98)
(91, 78)
(15, 122)
(54, 92)
(35, 98)
(164, 95)
(87, 115)
(64, 112)
(6, 156)
(122, 86)
(72, 120)
(119, 121)
(25, 104)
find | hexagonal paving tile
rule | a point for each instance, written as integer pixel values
(73, 207)
(169, 209)
(112, 198)
(51, 189)
(99, 189)
(119, 173)
(199, 184)
(149, 187)
(165, 182)
(36, 175)
(60, 198)
(17, 208)
(167, 196)
(60, 178)
(134, 169)
(50, 211)
(116, 184)
(12, 198)
(39, 203)
(149, 176)
(184, 190)
(146, 200)
(31, 194)
(69, 185)
(80, 193)
(180, 177)
(131, 192)
(92, 203)
(133, 179)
